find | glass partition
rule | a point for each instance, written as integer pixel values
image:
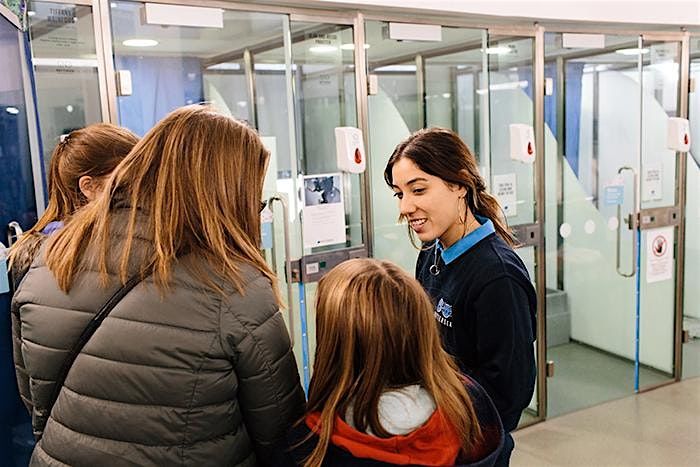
(64, 57)
(691, 308)
(609, 320)
(18, 204)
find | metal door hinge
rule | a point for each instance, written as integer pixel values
(550, 369)
(685, 338)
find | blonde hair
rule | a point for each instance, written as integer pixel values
(375, 330)
(92, 151)
(197, 179)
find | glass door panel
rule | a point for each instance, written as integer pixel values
(606, 123)
(421, 84)
(323, 75)
(691, 288)
(449, 83)
(592, 132)
(64, 57)
(510, 93)
(660, 78)
(509, 90)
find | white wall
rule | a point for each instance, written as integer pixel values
(681, 12)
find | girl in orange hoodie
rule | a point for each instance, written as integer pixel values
(383, 390)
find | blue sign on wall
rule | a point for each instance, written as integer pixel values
(614, 195)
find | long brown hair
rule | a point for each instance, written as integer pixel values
(92, 151)
(196, 180)
(442, 153)
(374, 331)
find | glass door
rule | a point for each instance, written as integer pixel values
(476, 82)
(65, 65)
(659, 216)
(691, 308)
(610, 302)
(511, 93)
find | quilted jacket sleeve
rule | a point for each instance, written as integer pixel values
(270, 396)
(20, 369)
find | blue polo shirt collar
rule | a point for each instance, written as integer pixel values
(463, 245)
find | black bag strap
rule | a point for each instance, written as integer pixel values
(87, 333)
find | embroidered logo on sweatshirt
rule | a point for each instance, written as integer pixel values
(443, 313)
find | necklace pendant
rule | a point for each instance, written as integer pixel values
(434, 270)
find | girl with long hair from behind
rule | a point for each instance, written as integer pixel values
(383, 390)
(78, 170)
(194, 364)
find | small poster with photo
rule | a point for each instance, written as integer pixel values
(324, 210)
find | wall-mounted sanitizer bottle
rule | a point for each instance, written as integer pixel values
(350, 149)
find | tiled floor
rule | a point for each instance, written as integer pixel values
(585, 377)
(655, 428)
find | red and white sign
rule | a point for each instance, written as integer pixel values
(659, 254)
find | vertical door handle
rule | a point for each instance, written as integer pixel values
(287, 260)
(14, 231)
(631, 222)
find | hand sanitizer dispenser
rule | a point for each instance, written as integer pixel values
(522, 143)
(678, 134)
(350, 149)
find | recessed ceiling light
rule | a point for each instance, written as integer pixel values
(498, 50)
(632, 51)
(69, 108)
(322, 49)
(12, 110)
(140, 43)
(351, 46)
(31, 13)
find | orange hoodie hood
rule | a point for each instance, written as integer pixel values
(434, 443)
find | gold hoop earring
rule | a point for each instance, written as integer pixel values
(462, 220)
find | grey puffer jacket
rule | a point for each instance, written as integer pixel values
(192, 377)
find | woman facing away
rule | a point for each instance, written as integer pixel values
(80, 165)
(484, 302)
(193, 366)
(383, 390)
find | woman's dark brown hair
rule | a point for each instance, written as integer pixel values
(442, 153)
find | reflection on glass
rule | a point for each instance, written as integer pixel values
(17, 199)
(691, 309)
(62, 41)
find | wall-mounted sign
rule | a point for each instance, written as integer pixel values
(505, 190)
(614, 192)
(659, 253)
(652, 182)
(324, 210)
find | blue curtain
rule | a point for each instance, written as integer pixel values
(17, 202)
(160, 85)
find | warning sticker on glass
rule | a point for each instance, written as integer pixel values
(659, 254)
(505, 190)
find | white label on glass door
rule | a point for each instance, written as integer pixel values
(505, 190)
(324, 210)
(659, 253)
(652, 183)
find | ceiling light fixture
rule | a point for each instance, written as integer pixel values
(12, 110)
(351, 46)
(140, 43)
(322, 49)
(634, 51)
(498, 50)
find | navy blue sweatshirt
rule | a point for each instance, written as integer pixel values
(485, 306)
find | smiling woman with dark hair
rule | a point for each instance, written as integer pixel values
(484, 301)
